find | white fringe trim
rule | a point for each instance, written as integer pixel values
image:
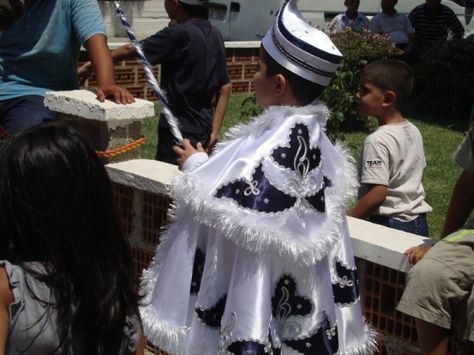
(224, 216)
(166, 337)
(369, 345)
(266, 120)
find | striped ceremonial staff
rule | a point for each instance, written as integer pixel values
(149, 75)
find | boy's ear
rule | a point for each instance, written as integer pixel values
(389, 98)
(281, 85)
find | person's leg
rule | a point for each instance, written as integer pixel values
(382, 220)
(166, 141)
(418, 226)
(421, 225)
(164, 149)
(24, 112)
(433, 340)
(438, 289)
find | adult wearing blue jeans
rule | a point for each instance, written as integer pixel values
(39, 53)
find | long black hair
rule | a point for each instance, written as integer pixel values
(56, 208)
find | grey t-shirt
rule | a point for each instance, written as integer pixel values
(34, 330)
(393, 156)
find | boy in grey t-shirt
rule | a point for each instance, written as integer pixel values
(393, 159)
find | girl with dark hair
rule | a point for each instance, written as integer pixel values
(65, 266)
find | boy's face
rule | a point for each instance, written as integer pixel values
(264, 85)
(370, 99)
(388, 5)
(352, 5)
(171, 7)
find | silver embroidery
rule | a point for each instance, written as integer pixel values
(252, 189)
(345, 282)
(331, 332)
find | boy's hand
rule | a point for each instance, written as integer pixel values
(417, 253)
(120, 95)
(186, 150)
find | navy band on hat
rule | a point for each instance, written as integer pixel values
(301, 48)
(194, 2)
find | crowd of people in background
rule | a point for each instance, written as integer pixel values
(425, 25)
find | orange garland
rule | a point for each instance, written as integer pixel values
(103, 154)
(120, 150)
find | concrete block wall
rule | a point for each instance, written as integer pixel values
(112, 130)
(141, 192)
(242, 61)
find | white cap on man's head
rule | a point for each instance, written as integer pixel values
(301, 48)
(194, 2)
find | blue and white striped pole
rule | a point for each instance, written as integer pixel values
(160, 95)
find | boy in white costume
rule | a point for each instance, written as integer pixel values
(258, 259)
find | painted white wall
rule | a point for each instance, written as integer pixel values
(371, 242)
(145, 16)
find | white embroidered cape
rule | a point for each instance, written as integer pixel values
(258, 259)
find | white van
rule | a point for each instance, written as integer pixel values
(248, 20)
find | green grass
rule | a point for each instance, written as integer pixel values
(441, 137)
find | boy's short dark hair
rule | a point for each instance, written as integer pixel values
(198, 11)
(390, 74)
(304, 90)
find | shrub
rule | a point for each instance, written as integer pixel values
(446, 76)
(358, 49)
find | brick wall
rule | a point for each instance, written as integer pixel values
(143, 214)
(242, 64)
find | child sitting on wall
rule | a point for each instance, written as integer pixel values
(258, 259)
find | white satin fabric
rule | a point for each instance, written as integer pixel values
(247, 253)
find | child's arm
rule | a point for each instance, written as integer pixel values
(219, 112)
(101, 60)
(185, 151)
(369, 202)
(6, 298)
(460, 206)
(141, 344)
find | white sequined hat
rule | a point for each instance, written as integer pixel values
(194, 2)
(301, 48)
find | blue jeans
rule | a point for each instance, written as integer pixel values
(418, 226)
(24, 112)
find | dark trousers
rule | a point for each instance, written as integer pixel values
(24, 112)
(418, 226)
(166, 141)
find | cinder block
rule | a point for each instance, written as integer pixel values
(109, 127)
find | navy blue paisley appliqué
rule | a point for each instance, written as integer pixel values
(257, 194)
(324, 341)
(318, 200)
(346, 289)
(299, 155)
(212, 317)
(247, 348)
(286, 302)
(198, 269)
